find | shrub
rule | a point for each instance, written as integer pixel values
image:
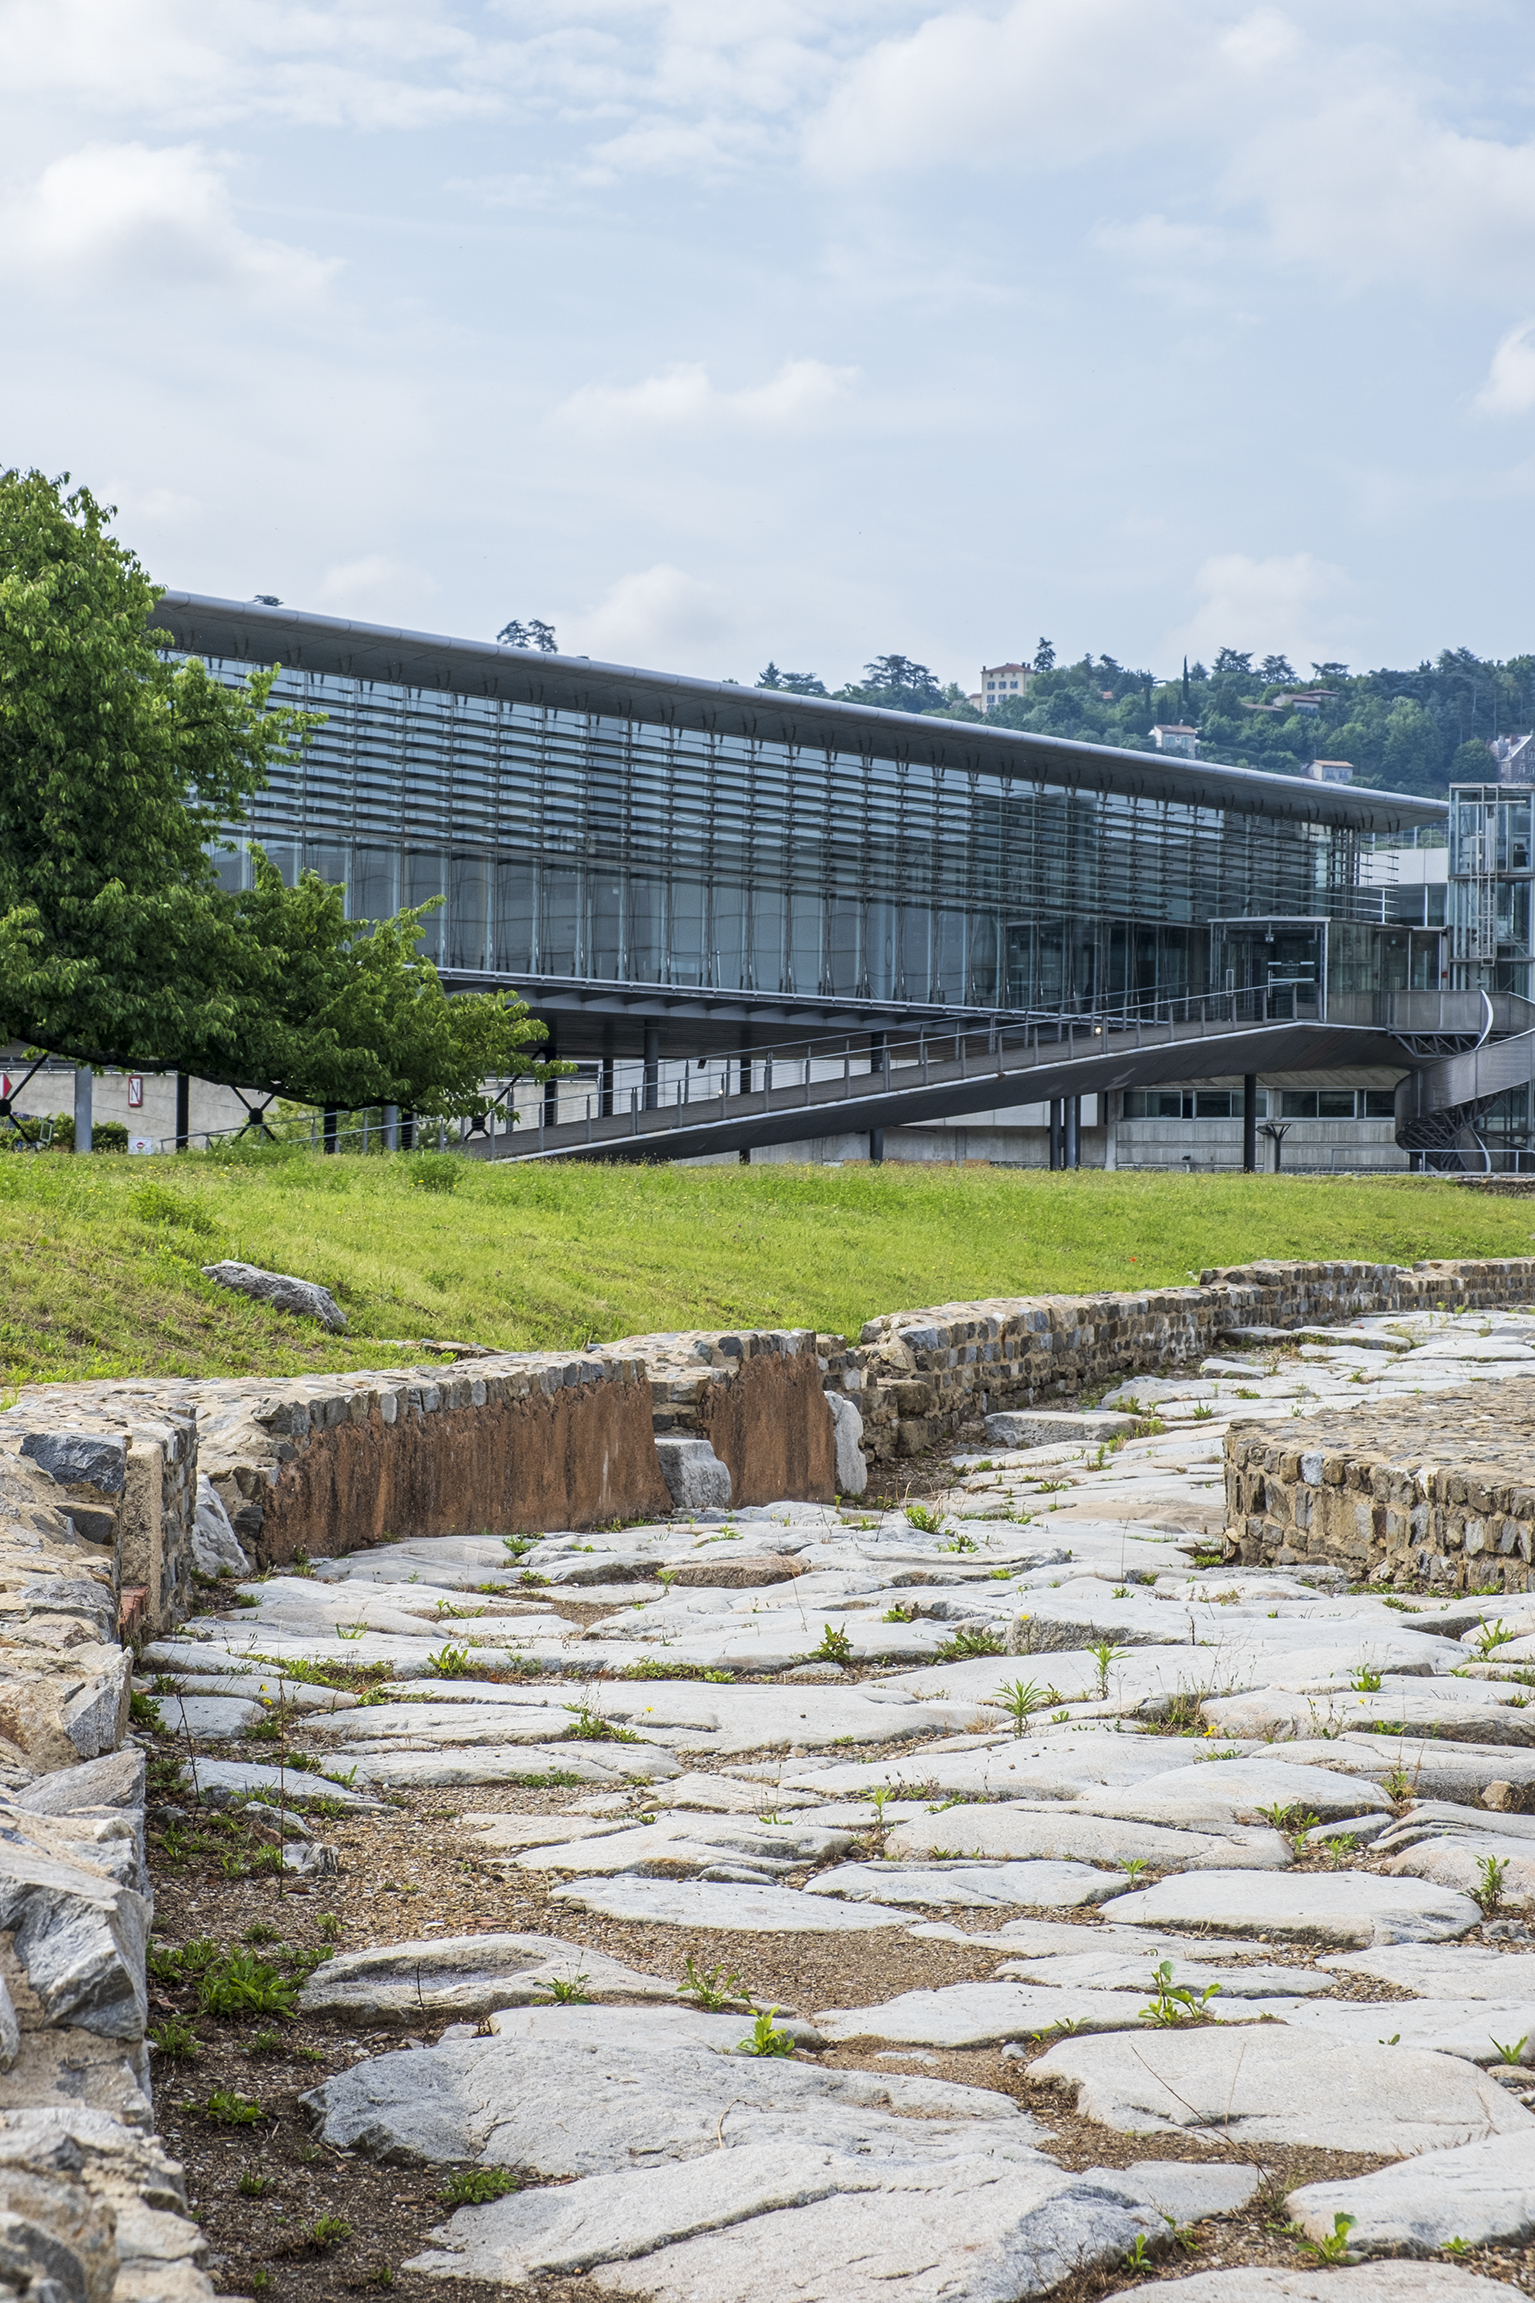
(239, 1985)
(434, 1171)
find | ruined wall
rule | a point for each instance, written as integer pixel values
(757, 1395)
(1436, 1491)
(920, 1376)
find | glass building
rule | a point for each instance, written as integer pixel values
(704, 854)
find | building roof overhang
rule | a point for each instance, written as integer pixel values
(250, 632)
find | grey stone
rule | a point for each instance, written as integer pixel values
(1182, 2190)
(1475, 2029)
(622, 1763)
(210, 1718)
(215, 1546)
(586, 2104)
(315, 1860)
(694, 1474)
(1343, 1907)
(745, 1910)
(747, 2224)
(229, 1782)
(680, 1845)
(468, 1975)
(78, 1935)
(115, 1780)
(80, 1458)
(1368, 2283)
(1028, 1427)
(1250, 2086)
(1094, 1970)
(1443, 1970)
(282, 1291)
(1065, 1835)
(981, 1887)
(847, 1438)
(1483, 2193)
(979, 2015)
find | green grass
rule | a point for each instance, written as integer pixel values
(101, 1257)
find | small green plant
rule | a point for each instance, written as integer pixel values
(968, 1643)
(266, 2043)
(1020, 1699)
(1488, 1892)
(230, 2109)
(1334, 2248)
(568, 1990)
(1459, 2248)
(1292, 1821)
(1341, 1850)
(449, 1662)
(260, 1933)
(350, 1630)
(1105, 1655)
(1139, 2256)
(477, 2186)
(175, 2040)
(835, 1647)
(1172, 2003)
(766, 2039)
(1203, 1414)
(1364, 1681)
(239, 1985)
(711, 1988)
(145, 1712)
(959, 1541)
(327, 2231)
(924, 1521)
(1397, 1785)
(1493, 1636)
(252, 2185)
(588, 1726)
(379, 2275)
(330, 1927)
(1514, 2052)
(1132, 1866)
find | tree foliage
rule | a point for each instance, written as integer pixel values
(120, 771)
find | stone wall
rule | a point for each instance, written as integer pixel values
(758, 1395)
(90, 2206)
(508, 1442)
(1437, 1491)
(920, 1377)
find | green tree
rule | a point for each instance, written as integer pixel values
(119, 773)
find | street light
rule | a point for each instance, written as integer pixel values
(1277, 1130)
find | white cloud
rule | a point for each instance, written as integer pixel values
(684, 398)
(657, 616)
(115, 212)
(1157, 245)
(1045, 83)
(1510, 386)
(1369, 189)
(1288, 605)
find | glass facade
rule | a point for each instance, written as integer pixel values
(1492, 867)
(570, 844)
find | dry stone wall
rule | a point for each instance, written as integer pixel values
(920, 1376)
(1439, 1491)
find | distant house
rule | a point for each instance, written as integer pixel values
(999, 681)
(1515, 756)
(1172, 736)
(1289, 700)
(1331, 771)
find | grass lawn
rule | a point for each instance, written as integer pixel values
(101, 1255)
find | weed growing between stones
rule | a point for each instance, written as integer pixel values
(1171, 2003)
(231, 2109)
(1488, 1891)
(967, 1644)
(1334, 2247)
(710, 1988)
(477, 2186)
(835, 1647)
(1020, 1699)
(766, 2038)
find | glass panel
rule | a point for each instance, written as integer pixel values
(515, 885)
(375, 883)
(1298, 1104)
(468, 908)
(559, 924)
(1212, 1104)
(1335, 1104)
(423, 880)
(1378, 1103)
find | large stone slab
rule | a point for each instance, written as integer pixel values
(744, 1910)
(1470, 1711)
(229, 1782)
(1443, 1970)
(209, 1718)
(1476, 2029)
(684, 1845)
(987, 2014)
(467, 1976)
(1343, 1907)
(589, 2103)
(755, 2223)
(1482, 2193)
(1226, 1791)
(978, 1887)
(1368, 2283)
(492, 1763)
(1267, 2084)
(1132, 1971)
(1003, 1831)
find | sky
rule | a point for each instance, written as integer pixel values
(715, 331)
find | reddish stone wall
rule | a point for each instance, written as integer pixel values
(772, 1427)
(573, 1458)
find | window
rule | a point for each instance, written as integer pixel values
(1377, 1103)
(1189, 1104)
(1338, 1103)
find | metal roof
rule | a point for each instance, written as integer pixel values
(252, 633)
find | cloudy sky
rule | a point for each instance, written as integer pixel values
(714, 330)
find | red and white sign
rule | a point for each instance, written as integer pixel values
(135, 1091)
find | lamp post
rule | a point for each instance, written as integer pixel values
(1276, 1131)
